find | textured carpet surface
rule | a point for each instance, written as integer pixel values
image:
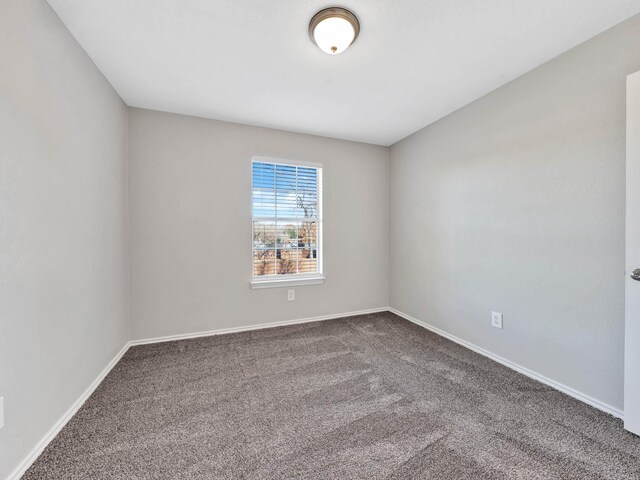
(369, 397)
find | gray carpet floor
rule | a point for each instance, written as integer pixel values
(366, 397)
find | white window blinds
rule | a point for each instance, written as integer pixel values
(287, 221)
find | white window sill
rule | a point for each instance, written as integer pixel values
(286, 282)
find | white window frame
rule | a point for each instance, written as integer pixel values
(277, 280)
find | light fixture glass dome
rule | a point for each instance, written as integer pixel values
(334, 29)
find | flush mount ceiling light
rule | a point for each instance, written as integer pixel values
(334, 29)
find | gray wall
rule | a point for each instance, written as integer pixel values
(190, 201)
(515, 203)
(63, 240)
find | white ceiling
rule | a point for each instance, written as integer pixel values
(251, 61)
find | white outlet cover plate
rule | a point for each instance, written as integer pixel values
(291, 295)
(496, 319)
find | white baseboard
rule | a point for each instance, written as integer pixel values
(514, 366)
(260, 326)
(38, 449)
(50, 435)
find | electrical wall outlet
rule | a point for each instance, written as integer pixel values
(496, 320)
(291, 295)
(1, 412)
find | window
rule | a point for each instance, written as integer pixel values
(287, 223)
